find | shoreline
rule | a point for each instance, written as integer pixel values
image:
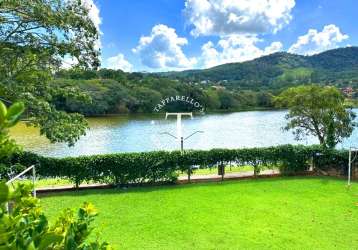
(219, 111)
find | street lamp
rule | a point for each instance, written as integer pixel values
(182, 139)
(180, 133)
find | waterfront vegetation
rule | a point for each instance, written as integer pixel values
(163, 166)
(318, 111)
(65, 182)
(232, 87)
(278, 213)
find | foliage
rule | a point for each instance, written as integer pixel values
(25, 226)
(319, 111)
(160, 166)
(8, 118)
(114, 91)
(35, 38)
(234, 86)
(282, 70)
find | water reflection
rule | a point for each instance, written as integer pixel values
(132, 133)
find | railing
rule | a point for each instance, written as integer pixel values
(21, 174)
(24, 172)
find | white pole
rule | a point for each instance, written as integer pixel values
(19, 175)
(349, 167)
(179, 129)
(34, 180)
(179, 124)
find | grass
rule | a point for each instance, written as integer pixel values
(56, 182)
(296, 73)
(48, 182)
(277, 213)
(214, 170)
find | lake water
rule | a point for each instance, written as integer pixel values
(133, 133)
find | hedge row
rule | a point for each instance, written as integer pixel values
(162, 166)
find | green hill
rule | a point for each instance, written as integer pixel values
(246, 85)
(334, 67)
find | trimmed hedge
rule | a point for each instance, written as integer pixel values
(161, 166)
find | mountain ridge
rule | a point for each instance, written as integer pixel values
(334, 66)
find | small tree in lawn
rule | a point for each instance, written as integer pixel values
(317, 111)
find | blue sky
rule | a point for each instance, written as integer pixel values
(160, 35)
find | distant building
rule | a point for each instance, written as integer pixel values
(217, 87)
(347, 91)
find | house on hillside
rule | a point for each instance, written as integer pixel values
(347, 91)
(216, 87)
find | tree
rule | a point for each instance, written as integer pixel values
(227, 101)
(147, 98)
(318, 111)
(35, 38)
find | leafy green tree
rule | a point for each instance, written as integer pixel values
(318, 111)
(146, 98)
(25, 226)
(264, 99)
(212, 100)
(227, 100)
(35, 38)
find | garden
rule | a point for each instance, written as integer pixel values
(278, 213)
(142, 208)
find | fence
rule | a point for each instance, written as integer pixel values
(32, 167)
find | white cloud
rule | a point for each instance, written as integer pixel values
(273, 47)
(226, 17)
(118, 62)
(235, 48)
(94, 15)
(68, 62)
(314, 41)
(163, 49)
(93, 12)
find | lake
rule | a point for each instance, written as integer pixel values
(134, 133)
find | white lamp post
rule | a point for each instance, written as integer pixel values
(179, 135)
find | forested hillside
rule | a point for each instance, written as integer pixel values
(234, 86)
(337, 67)
(114, 91)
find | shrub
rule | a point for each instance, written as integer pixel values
(160, 166)
(8, 118)
(26, 226)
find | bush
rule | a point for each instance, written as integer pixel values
(160, 166)
(26, 227)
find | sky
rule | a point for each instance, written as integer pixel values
(166, 35)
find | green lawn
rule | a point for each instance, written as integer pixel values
(277, 213)
(47, 182)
